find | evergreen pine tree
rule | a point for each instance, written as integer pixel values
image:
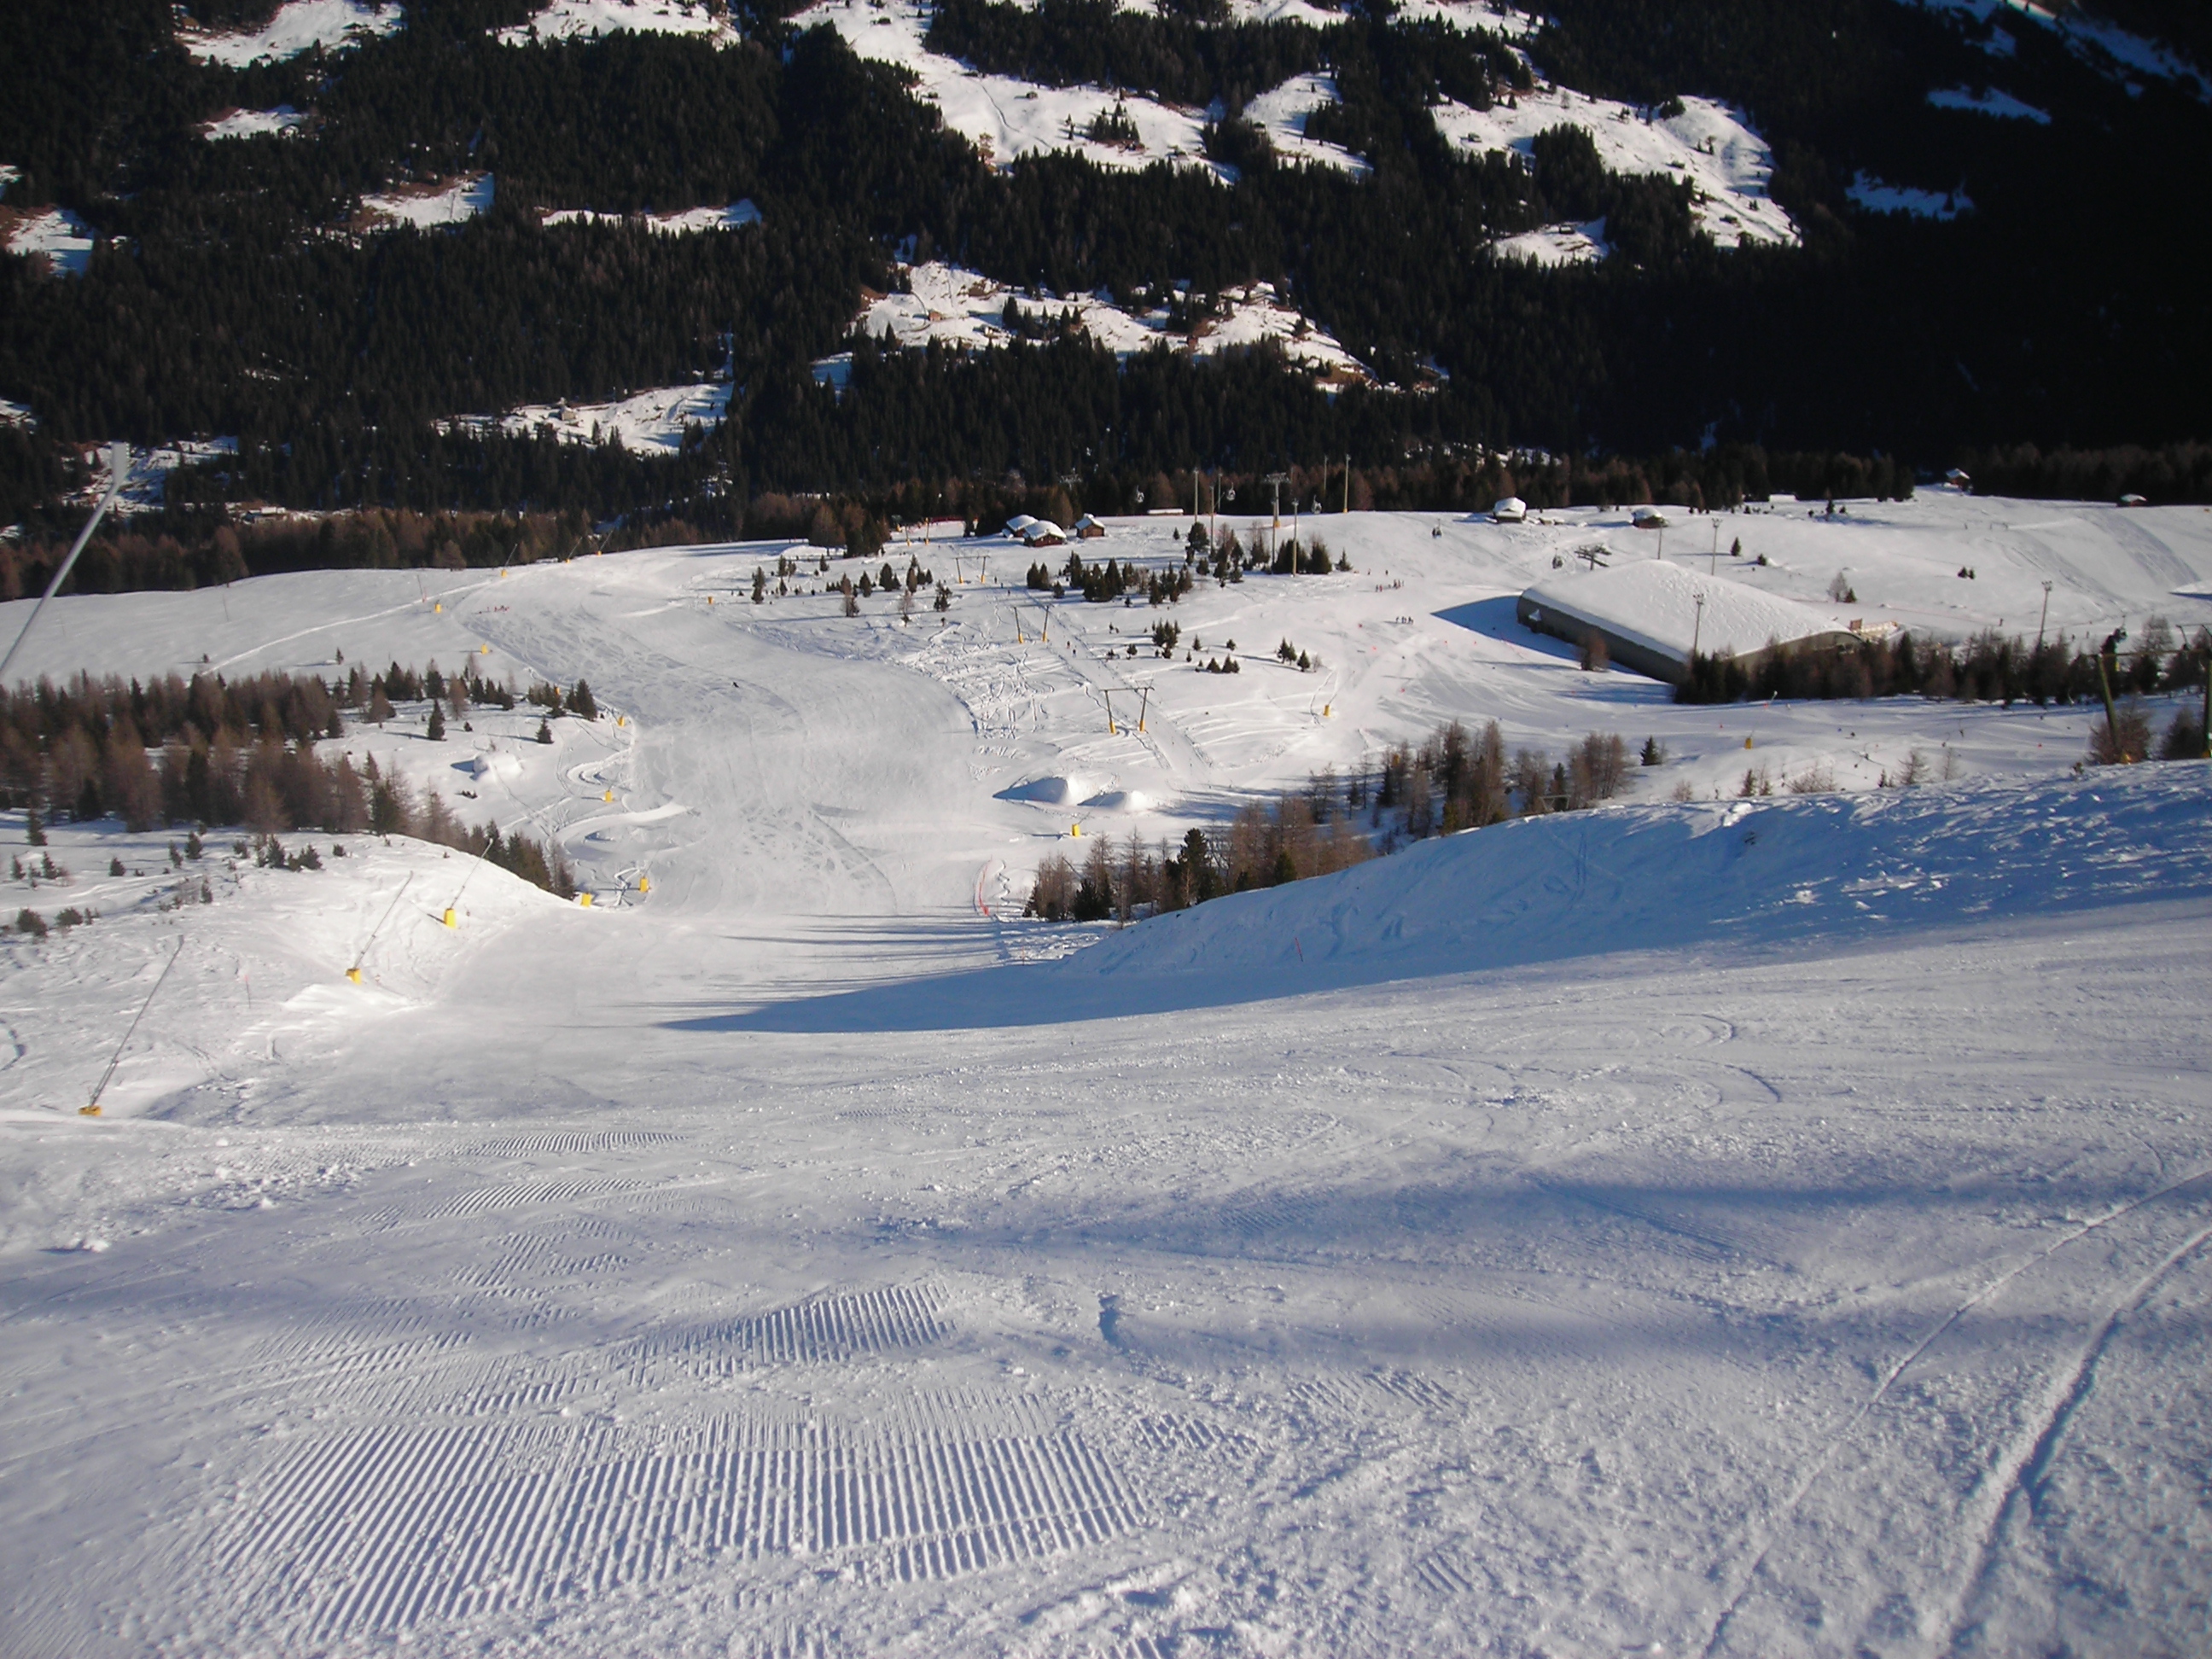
(33, 831)
(580, 703)
(544, 732)
(436, 731)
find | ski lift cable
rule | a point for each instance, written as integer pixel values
(91, 1108)
(118, 464)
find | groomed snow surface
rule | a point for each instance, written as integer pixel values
(1766, 1226)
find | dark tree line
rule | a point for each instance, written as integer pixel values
(210, 752)
(228, 295)
(1990, 668)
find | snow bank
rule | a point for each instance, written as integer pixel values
(1655, 605)
(298, 27)
(1765, 873)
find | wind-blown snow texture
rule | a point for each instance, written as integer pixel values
(1747, 1226)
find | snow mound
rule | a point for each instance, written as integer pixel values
(491, 766)
(1768, 872)
(1119, 800)
(297, 28)
(1053, 791)
(1655, 605)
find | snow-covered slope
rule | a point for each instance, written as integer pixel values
(429, 206)
(653, 420)
(1738, 1227)
(254, 123)
(963, 309)
(1005, 118)
(563, 20)
(1710, 144)
(299, 25)
(1750, 875)
(64, 238)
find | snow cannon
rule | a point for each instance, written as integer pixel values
(610, 795)
(583, 899)
(87, 1111)
(449, 917)
(354, 974)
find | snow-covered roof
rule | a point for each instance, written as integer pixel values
(1510, 509)
(1042, 530)
(1654, 604)
(1018, 523)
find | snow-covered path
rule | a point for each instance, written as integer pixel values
(1563, 1238)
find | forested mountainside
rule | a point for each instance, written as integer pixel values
(1985, 227)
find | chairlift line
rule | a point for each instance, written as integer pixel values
(91, 1107)
(118, 464)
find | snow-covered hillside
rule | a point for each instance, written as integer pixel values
(962, 308)
(1731, 1225)
(298, 27)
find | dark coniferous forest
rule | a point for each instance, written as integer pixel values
(2054, 333)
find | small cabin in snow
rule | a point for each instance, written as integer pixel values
(1044, 532)
(1088, 529)
(1510, 509)
(1019, 525)
(1647, 517)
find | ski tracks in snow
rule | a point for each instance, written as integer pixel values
(2012, 1469)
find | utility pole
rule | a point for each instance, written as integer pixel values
(1713, 561)
(1275, 483)
(1697, 628)
(2044, 618)
(1347, 481)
